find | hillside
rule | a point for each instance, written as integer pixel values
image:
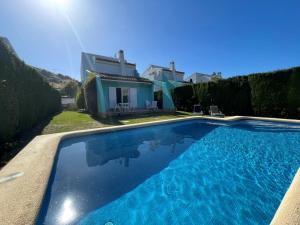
(58, 81)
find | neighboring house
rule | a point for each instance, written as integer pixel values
(68, 102)
(198, 78)
(165, 79)
(160, 73)
(118, 82)
(202, 78)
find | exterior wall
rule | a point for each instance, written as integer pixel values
(89, 62)
(160, 74)
(198, 78)
(66, 101)
(144, 91)
(178, 77)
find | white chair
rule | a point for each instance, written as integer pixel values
(126, 107)
(131, 107)
(198, 110)
(154, 105)
(148, 104)
(117, 107)
(214, 111)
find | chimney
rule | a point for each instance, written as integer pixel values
(172, 68)
(120, 56)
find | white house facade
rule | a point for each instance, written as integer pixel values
(160, 73)
(108, 65)
(198, 78)
(118, 82)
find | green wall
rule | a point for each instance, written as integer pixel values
(144, 91)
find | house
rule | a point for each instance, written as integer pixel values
(68, 102)
(160, 73)
(118, 82)
(202, 78)
(198, 78)
(165, 79)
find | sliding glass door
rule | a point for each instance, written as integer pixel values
(122, 95)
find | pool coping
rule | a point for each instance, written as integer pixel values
(22, 196)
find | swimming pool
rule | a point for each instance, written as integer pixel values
(195, 172)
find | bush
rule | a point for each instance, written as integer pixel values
(70, 89)
(276, 94)
(25, 98)
(90, 93)
(273, 94)
(80, 99)
(159, 99)
(184, 98)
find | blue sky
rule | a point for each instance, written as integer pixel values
(231, 36)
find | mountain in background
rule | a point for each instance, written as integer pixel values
(57, 81)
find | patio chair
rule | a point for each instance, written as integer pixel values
(214, 111)
(154, 105)
(131, 107)
(125, 106)
(148, 104)
(198, 110)
(117, 107)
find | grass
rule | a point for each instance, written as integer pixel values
(70, 120)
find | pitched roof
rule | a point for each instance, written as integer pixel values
(118, 77)
(113, 60)
(108, 59)
(165, 68)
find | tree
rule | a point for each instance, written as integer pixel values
(70, 89)
(215, 77)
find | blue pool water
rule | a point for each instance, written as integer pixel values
(195, 172)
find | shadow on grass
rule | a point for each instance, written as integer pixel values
(10, 149)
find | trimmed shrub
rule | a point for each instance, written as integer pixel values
(184, 98)
(159, 99)
(90, 93)
(25, 98)
(80, 99)
(273, 94)
(70, 89)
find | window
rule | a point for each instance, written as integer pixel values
(125, 93)
(119, 95)
(122, 95)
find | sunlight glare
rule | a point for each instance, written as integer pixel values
(68, 212)
(58, 4)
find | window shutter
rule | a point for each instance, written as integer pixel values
(133, 97)
(112, 97)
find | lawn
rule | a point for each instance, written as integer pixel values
(70, 120)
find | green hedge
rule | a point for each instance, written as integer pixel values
(70, 89)
(25, 98)
(90, 93)
(158, 97)
(80, 102)
(274, 94)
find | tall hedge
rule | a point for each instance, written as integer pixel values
(90, 93)
(25, 98)
(80, 102)
(273, 94)
(276, 94)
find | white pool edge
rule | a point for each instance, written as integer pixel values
(21, 198)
